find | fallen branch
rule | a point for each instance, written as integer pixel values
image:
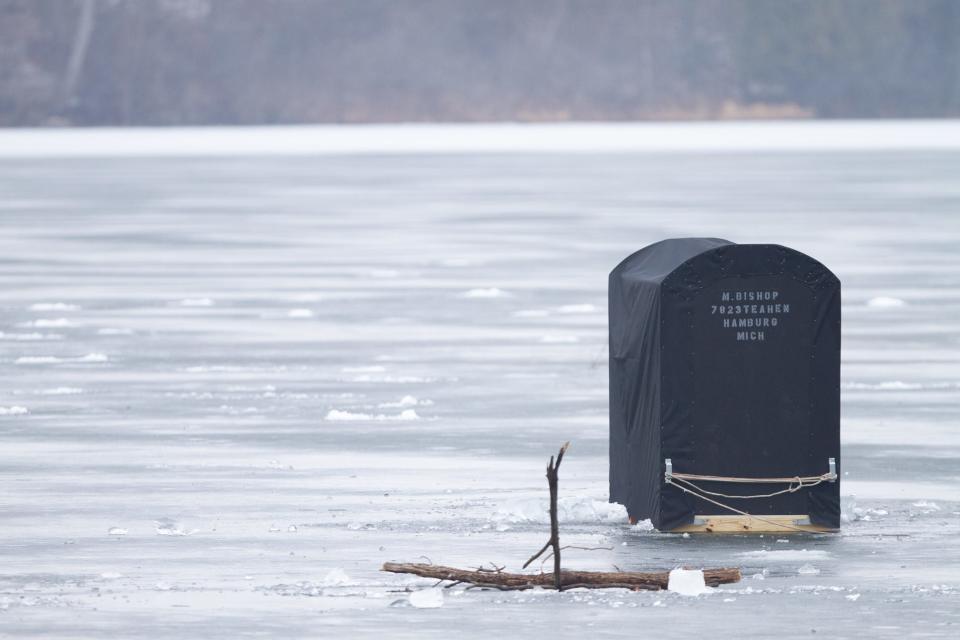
(560, 580)
(637, 581)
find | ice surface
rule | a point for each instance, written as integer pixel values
(687, 582)
(211, 418)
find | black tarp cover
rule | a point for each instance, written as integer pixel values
(724, 358)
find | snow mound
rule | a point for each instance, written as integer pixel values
(427, 598)
(13, 411)
(808, 570)
(299, 313)
(927, 506)
(687, 582)
(492, 292)
(569, 510)
(885, 302)
(116, 531)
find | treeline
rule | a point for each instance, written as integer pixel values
(159, 62)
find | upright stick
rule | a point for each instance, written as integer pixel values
(554, 541)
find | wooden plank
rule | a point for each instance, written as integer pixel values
(748, 524)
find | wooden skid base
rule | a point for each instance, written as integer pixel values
(747, 524)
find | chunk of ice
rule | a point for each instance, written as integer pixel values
(643, 525)
(808, 570)
(336, 577)
(427, 598)
(687, 582)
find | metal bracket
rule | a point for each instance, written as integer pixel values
(669, 472)
(833, 469)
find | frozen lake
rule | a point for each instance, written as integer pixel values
(239, 378)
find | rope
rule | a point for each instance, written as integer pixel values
(735, 510)
(690, 476)
(801, 483)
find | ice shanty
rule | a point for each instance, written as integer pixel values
(725, 387)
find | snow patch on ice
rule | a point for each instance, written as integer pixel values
(26, 337)
(299, 313)
(885, 302)
(808, 570)
(570, 509)
(336, 415)
(90, 357)
(927, 506)
(116, 531)
(405, 401)
(196, 302)
(892, 385)
(427, 598)
(13, 411)
(559, 339)
(577, 308)
(785, 555)
(114, 331)
(168, 527)
(531, 313)
(687, 582)
(492, 292)
(59, 391)
(53, 306)
(50, 323)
